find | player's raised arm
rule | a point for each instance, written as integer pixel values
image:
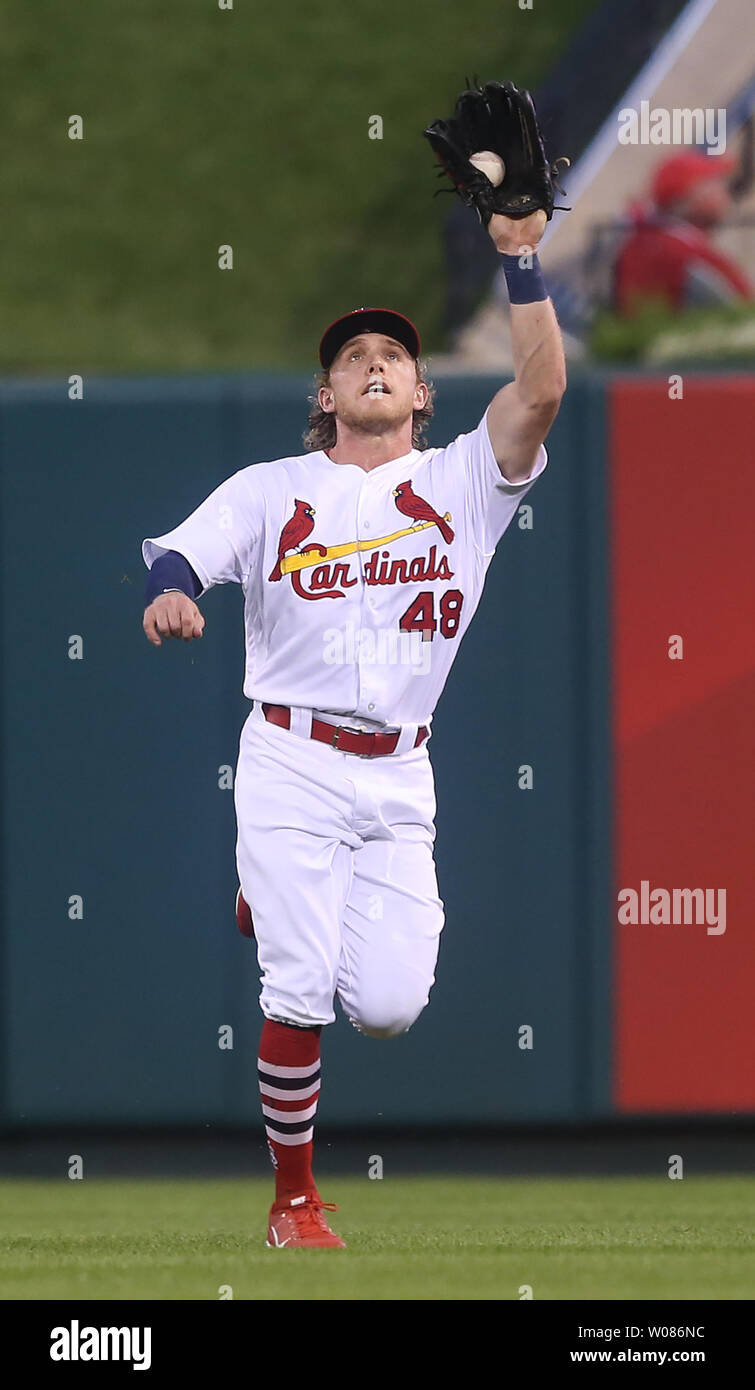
(520, 414)
(493, 152)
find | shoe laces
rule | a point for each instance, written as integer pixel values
(311, 1210)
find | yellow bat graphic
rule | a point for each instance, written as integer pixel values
(336, 552)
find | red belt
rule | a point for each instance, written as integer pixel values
(344, 739)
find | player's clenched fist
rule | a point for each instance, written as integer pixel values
(172, 615)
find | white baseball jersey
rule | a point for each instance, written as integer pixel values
(358, 586)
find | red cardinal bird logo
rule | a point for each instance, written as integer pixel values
(409, 504)
(296, 530)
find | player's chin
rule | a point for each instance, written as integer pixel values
(380, 410)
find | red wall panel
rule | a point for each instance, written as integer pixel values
(682, 508)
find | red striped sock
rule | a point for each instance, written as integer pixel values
(289, 1077)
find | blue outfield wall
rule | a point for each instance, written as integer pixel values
(111, 769)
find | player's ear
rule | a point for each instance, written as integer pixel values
(421, 395)
(325, 400)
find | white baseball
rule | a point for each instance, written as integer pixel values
(489, 164)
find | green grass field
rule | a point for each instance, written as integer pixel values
(246, 128)
(408, 1238)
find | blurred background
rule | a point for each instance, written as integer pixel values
(137, 374)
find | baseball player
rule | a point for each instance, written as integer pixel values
(362, 561)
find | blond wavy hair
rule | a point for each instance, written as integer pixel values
(321, 433)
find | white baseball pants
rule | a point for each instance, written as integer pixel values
(335, 859)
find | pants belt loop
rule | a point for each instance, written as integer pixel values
(301, 721)
(407, 738)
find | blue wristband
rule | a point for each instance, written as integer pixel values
(171, 571)
(525, 286)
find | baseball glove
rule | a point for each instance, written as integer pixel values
(499, 119)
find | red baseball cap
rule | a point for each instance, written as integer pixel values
(678, 175)
(385, 321)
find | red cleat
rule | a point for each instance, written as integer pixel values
(300, 1224)
(243, 916)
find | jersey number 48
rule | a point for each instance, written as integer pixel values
(420, 615)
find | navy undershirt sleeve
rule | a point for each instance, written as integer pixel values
(171, 571)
